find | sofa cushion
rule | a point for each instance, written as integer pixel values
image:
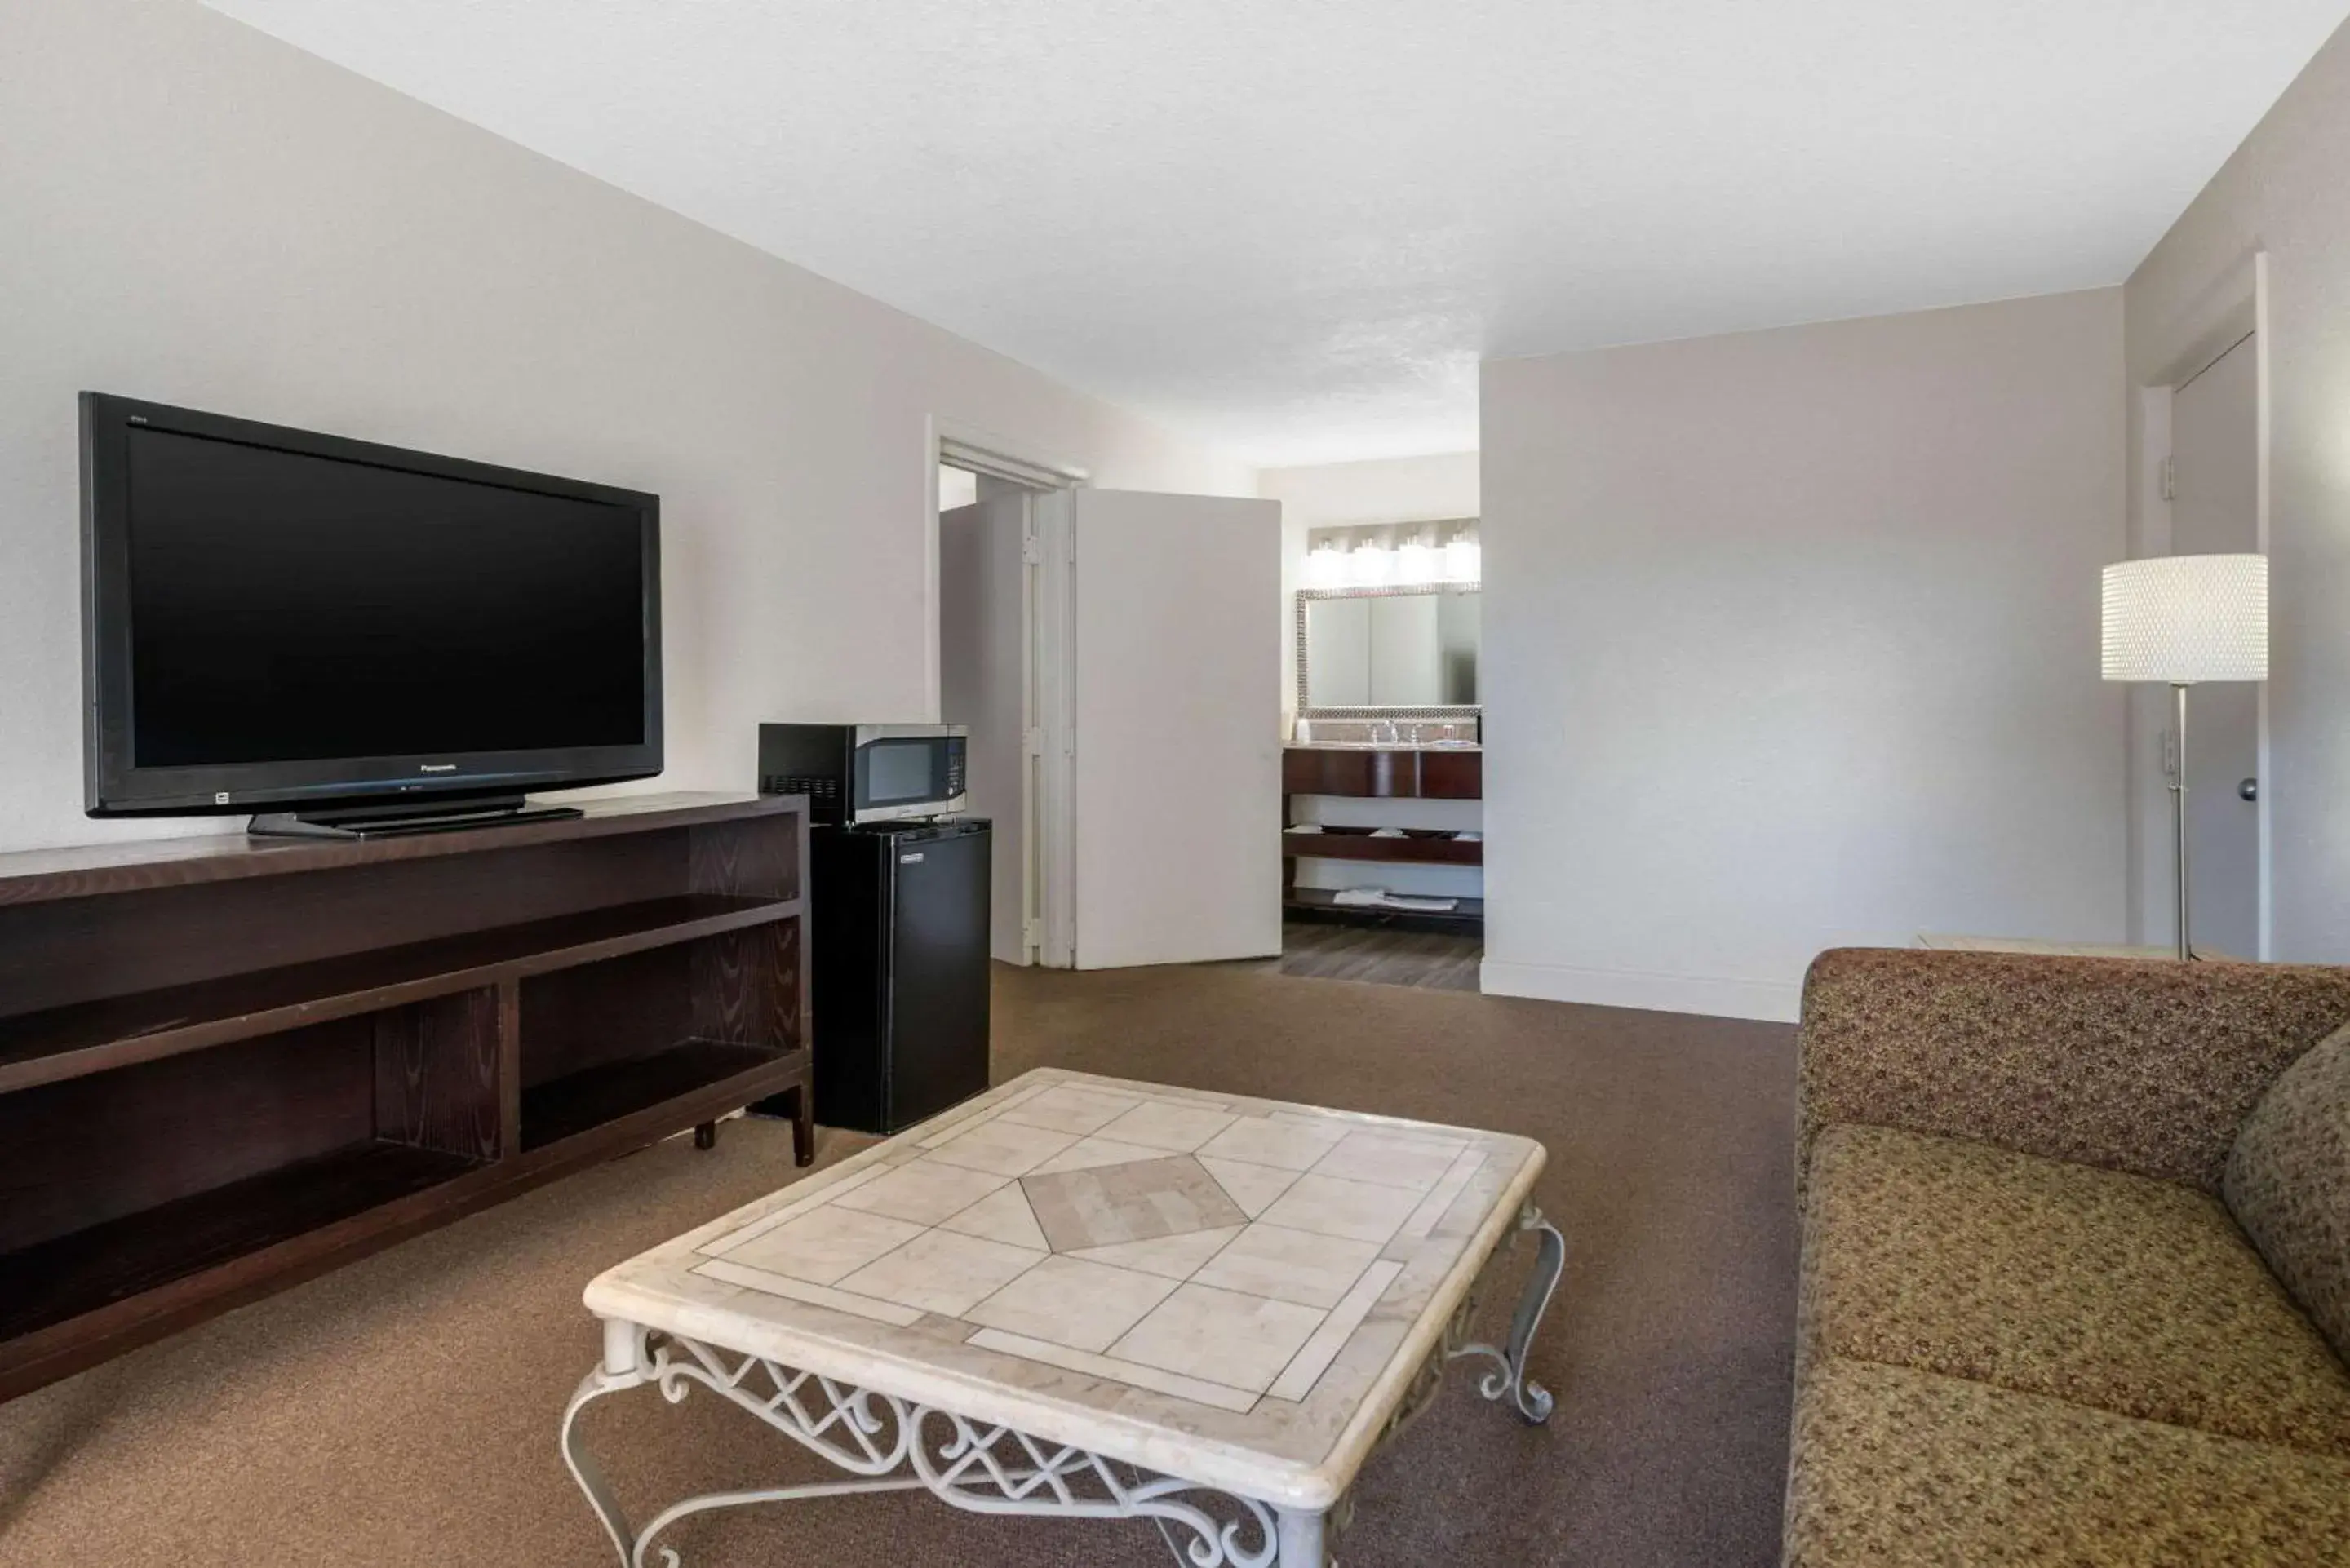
(1894, 1468)
(2131, 1295)
(2128, 1063)
(2288, 1183)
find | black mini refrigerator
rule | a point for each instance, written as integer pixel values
(898, 928)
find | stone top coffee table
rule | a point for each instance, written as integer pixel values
(1084, 1297)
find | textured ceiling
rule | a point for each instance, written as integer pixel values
(1294, 226)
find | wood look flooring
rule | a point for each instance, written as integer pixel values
(1380, 955)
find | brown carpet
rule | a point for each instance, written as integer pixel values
(403, 1410)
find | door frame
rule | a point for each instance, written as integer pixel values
(2234, 307)
(1047, 615)
(1053, 735)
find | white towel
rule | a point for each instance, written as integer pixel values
(1380, 898)
(1388, 833)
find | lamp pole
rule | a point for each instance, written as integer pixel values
(2179, 805)
(2183, 620)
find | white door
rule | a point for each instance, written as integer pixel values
(984, 683)
(2214, 510)
(1176, 720)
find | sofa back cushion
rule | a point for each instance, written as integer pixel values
(2288, 1183)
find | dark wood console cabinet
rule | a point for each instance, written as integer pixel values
(227, 1065)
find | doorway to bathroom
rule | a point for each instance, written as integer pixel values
(1109, 654)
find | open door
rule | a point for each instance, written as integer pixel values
(2214, 511)
(1174, 720)
(984, 684)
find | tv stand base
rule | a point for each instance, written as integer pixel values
(405, 818)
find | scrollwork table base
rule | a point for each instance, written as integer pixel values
(1085, 1298)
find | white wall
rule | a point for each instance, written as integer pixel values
(2287, 191)
(199, 214)
(1790, 642)
(957, 487)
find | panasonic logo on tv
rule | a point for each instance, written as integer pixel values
(440, 768)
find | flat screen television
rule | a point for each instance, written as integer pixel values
(348, 638)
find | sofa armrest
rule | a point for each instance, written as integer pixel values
(2133, 1065)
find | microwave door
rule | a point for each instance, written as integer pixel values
(908, 776)
(901, 773)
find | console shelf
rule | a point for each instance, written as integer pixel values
(115, 1031)
(1319, 905)
(82, 1270)
(576, 1102)
(227, 1068)
(1359, 844)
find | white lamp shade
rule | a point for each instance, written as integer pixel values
(2187, 619)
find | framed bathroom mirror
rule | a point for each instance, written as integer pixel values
(1407, 652)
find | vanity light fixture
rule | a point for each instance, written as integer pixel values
(1463, 558)
(1372, 565)
(1416, 561)
(1325, 567)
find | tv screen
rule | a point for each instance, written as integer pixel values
(276, 617)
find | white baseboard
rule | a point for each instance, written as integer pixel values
(1771, 1002)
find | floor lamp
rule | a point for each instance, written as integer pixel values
(2182, 621)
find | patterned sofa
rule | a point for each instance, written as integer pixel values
(2076, 1263)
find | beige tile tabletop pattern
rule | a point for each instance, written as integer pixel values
(1231, 1290)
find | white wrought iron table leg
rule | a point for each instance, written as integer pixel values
(1302, 1537)
(972, 1466)
(584, 1469)
(1532, 1400)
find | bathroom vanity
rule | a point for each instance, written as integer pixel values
(1371, 770)
(1387, 711)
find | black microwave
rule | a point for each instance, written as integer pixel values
(867, 772)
